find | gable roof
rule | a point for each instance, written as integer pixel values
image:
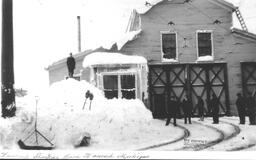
(134, 22)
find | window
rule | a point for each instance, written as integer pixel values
(204, 44)
(119, 86)
(169, 46)
(110, 83)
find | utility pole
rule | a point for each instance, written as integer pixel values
(79, 33)
(7, 72)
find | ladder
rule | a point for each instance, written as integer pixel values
(241, 19)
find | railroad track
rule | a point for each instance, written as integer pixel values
(185, 135)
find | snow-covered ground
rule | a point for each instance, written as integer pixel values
(116, 124)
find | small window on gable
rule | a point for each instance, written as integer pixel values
(204, 45)
(169, 46)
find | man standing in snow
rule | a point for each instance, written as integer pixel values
(200, 106)
(251, 104)
(187, 109)
(215, 109)
(71, 64)
(241, 108)
(172, 111)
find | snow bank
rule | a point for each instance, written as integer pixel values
(101, 58)
(62, 119)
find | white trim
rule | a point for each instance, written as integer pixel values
(197, 51)
(177, 47)
(119, 74)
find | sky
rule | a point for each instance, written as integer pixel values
(46, 31)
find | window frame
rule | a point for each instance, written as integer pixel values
(177, 46)
(197, 45)
(119, 74)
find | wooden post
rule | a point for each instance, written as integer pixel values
(7, 90)
(226, 89)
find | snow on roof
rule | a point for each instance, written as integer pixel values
(129, 36)
(101, 58)
(147, 6)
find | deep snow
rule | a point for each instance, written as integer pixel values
(116, 124)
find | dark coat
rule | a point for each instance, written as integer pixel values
(200, 106)
(187, 106)
(241, 105)
(173, 108)
(71, 63)
(215, 106)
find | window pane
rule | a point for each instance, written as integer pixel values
(110, 86)
(128, 94)
(169, 45)
(127, 81)
(128, 86)
(110, 82)
(204, 44)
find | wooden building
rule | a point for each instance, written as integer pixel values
(191, 49)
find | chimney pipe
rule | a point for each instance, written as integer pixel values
(79, 33)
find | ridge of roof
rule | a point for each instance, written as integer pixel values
(134, 22)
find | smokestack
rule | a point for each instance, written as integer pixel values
(79, 33)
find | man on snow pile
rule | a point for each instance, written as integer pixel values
(241, 107)
(71, 64)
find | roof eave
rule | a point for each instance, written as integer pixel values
(241, 33)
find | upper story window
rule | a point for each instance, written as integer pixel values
(169, 46)
(204, 45)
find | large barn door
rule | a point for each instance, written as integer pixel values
(158, 90)
(192, 79)
(248, 77)
(206, 80)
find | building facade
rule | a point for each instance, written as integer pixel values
(191, 49)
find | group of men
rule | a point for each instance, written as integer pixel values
(246, 106)
(186, 105)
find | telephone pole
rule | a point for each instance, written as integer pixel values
(7, 72)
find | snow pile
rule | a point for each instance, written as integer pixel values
(6, 129)
(104, 58)
(129, 36)
(62, 119)
(205, 58)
